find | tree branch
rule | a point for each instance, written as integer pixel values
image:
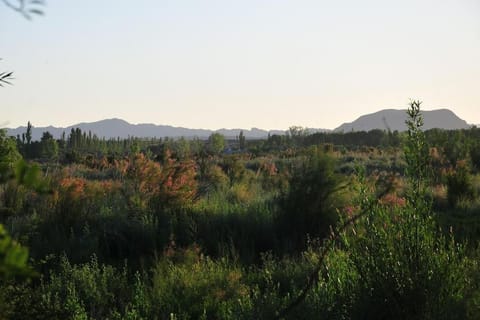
(23, 9)
(5, 77)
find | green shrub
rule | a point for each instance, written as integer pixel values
(460, 186)
(196, 287)
(309, 206)
(407, 269)
(88, 291)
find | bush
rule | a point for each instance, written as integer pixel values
(191, 286)
(309, 206)
(407, 269)
(460, 186)
(88, 291)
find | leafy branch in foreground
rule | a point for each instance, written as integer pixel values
(5, 77)
(13, 257)
(26, 8)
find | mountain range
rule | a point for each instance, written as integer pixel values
(390, 119)
(113, 128)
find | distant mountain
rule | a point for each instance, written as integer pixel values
(113, 128)
(395, 120)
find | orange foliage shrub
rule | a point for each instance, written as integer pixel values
(73, 188)
(148, 182)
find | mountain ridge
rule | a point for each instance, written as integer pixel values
(115, 127)
(394, 120)
(386, 119)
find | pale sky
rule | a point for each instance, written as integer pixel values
(247, 63)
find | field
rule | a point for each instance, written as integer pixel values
(377, 225)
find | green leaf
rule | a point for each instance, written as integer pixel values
(13, 257)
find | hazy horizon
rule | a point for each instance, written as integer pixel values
(251, 64)
(219, 128)
(200, 128)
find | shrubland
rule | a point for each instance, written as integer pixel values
(374, 225)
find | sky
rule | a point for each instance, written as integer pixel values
(268, 64)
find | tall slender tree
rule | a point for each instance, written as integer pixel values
(28, 134)
(241, 140)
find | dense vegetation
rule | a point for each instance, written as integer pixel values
(367, 225)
